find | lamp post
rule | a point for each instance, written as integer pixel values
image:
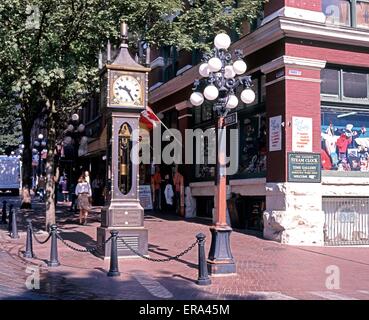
(74, 135)
(39, 146)
(222, 77)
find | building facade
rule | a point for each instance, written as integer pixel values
(309, 61)
(303, 171)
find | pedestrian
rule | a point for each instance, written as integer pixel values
(178, 182)
(156, 188)
(65, 190)
(97, 185)
(83, 193)
(73, 197)
(87, 177)
(168, 193)
(41, 187)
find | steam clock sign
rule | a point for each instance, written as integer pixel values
(123, 97)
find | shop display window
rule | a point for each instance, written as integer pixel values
(345, 140)
(252, 144)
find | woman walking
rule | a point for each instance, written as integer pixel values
(83, 192)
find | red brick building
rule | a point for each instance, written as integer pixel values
(309, 61)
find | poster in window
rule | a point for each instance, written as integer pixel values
(302, 134)
(275, 133)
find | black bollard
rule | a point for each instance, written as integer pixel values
(54, 262)
(14, 232)
(10, 216)
(3, 216)
(29, 247)
(203, 279)
(114, 268)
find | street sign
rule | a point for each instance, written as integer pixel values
(304, 167)
(230, 119)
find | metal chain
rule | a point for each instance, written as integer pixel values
(81, 250)
(39, 241)
(159, 260)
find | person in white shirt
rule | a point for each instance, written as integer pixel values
(168, 193)
(83, 193)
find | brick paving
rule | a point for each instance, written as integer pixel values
(265, 269)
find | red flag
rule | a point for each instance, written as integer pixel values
(148, 118)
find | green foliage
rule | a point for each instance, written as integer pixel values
(48, 48)
(10, 128)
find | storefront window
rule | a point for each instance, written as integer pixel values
(337, 12)
(252, 144)
(345, 141)
(207, 111)
(197, 114)
(362, 14)
(206, 169)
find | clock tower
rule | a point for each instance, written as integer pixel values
(123, 97)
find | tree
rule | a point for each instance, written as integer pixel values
(48, 52)
(10, 128)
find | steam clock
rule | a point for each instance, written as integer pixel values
(123, 97)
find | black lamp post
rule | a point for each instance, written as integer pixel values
(39, 146)
(220, 76)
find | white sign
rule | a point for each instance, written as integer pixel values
(302, 134)
(275, 133)
(144, 192)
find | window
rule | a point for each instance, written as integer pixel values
(355, 85)
(206, 148)
(341, 85)
(345, 141)
(337, 12)
(330, 82)
(362, 14)
(253, 144)
(353, 13)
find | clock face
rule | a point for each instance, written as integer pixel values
(127, 90)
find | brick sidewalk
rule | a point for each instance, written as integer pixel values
(265, 270)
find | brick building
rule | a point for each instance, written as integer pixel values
(309, 62)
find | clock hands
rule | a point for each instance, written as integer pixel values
(127, 90)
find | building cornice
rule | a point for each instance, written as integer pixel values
(324, 32)
(284, 61)
(296, 13)
(276, 29)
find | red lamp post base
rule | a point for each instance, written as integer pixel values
(220, 259)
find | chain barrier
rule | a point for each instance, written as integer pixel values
(159, 260)
(90, 250)
(37, 240)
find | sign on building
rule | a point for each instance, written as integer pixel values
(302, 134)
(145, 197)
(275, 133)
(304, 167)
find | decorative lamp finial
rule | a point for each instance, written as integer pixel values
(124, 32)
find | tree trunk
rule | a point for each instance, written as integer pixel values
(26, 165)
(50, 169)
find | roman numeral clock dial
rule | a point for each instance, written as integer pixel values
(127, 90)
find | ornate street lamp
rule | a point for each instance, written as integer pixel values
(222, 77)
(39, 147)
(73, 136)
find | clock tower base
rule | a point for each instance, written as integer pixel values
(127, 219)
